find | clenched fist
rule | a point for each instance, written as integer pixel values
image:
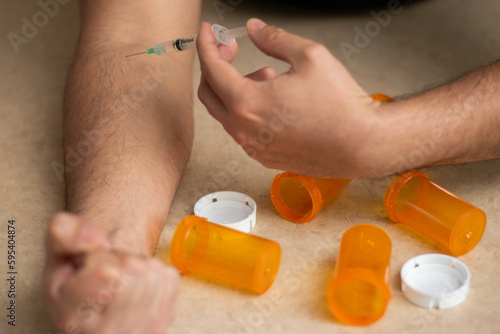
(93, 289)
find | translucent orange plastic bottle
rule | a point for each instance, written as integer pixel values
(415, 200)
(299, 198)
(239, 259)
(358, 293)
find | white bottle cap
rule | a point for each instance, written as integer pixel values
(435, 280)
(228, 208)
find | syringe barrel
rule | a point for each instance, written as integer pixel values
(222, 35)
(176, 45)
(236, 32)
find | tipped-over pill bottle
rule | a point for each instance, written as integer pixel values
(226, 255)
(358, 293)
(415, 200)
(299, 198)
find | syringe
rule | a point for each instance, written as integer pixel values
(222, 35)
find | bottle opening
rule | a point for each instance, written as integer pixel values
(189, 243)
(358, 298)
(403, 194)
(295, 197)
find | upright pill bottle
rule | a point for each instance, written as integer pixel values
(224, 254)
(358, 293)
(415, 200)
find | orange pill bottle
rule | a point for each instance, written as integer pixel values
(415, 200)
(358, 293)
(224, 254)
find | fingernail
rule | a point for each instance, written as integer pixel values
(255, 25)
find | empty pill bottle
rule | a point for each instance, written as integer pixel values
(358, 293)
(415, 200)
(226, 255)
(299, 198)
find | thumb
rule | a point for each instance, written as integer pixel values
(71, 234)
(278, 43)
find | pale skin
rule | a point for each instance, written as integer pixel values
(335, 128)
(100, 276)
(121, 191)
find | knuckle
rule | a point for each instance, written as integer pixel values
(243, 106)
(238, 107)
(314, 51)
(275, 35)
(104, 271)
(241, 138)
(99, 271)
(245, 113)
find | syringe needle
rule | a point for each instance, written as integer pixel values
(135, 54)
(222, 35)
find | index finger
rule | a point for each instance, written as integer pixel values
(224, 79)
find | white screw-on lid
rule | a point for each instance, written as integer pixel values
(435, 280)
(228, 208)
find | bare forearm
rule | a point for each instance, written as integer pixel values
(128, 122)
(454, 123)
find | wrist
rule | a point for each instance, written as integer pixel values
(401, 139)
(385, 142)
(128, 230)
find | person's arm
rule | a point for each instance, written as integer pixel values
(316, 120)
(453, 123)
(128, 131)
(128, 124)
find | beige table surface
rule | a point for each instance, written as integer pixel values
(427, 43)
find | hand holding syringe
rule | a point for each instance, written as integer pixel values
(222, 35)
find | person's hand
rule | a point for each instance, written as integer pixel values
(313, 120)
(97, 290)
